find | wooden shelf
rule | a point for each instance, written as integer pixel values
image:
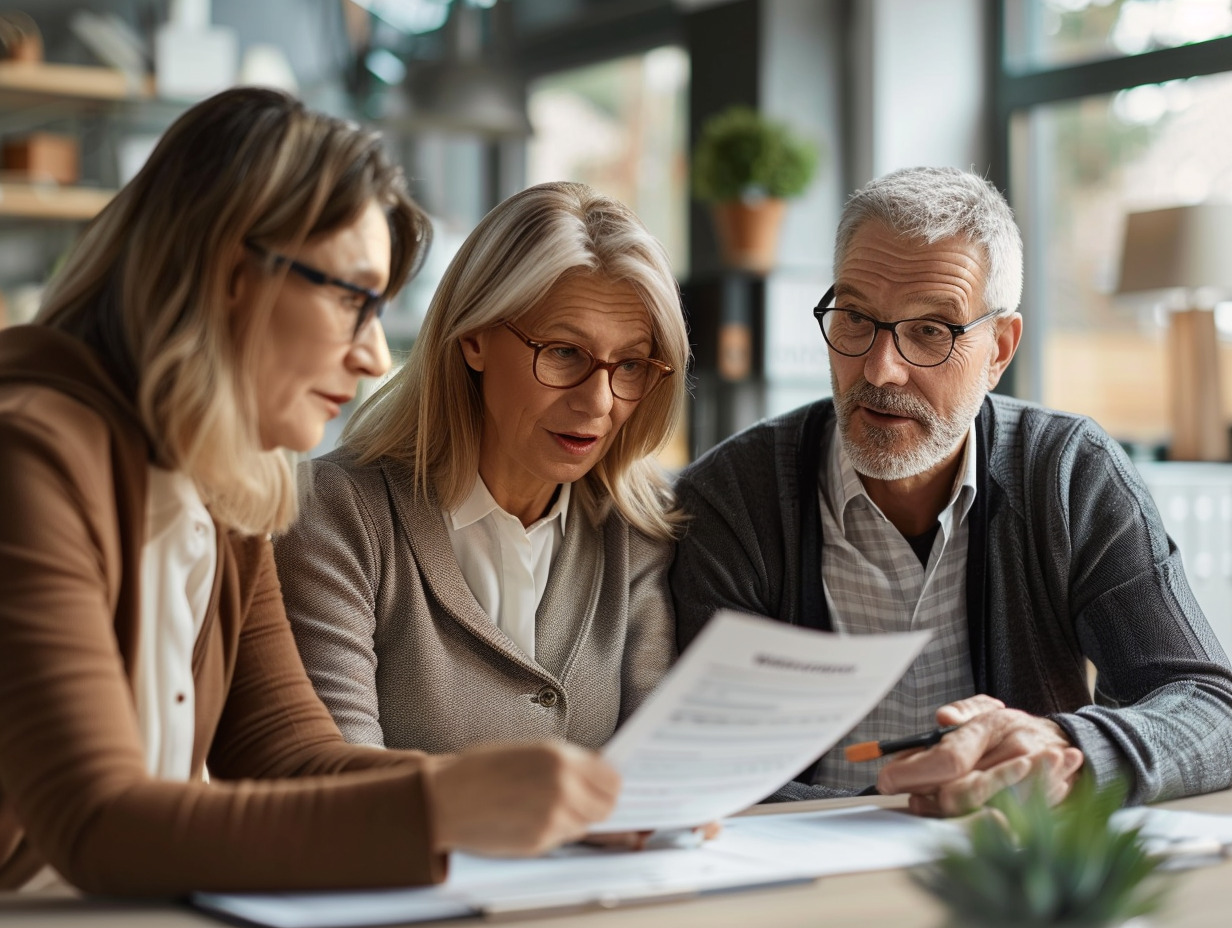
(34, 91)
(38, 201)
(41, 81)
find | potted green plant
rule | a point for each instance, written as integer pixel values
(1031, 865)
(746, 165)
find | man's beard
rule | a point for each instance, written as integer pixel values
(881, 453)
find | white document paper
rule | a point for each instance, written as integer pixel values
(754, 851)
(748, 706)
(578, 876)
(1184, 839)
(851, 840)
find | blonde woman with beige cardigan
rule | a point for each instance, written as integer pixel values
(484, 557)
(221, 307)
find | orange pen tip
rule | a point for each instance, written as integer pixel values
(865, 750)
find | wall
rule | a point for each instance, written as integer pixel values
(801, 59)
(918, 85)
(802, 82)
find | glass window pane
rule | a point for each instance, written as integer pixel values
(620, 126)
(1079, 168)
(1048, 33)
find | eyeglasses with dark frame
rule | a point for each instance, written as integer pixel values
(922, 342)
(562, 365)
(371, 306)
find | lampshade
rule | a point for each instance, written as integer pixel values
(470, 90)
(1184, 246)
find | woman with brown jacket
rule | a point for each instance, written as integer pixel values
(221, 308)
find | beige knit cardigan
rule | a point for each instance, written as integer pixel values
(403, 655)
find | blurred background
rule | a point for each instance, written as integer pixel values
(1084, 111)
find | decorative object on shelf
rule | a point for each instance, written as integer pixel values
(1029, 864)
(42, 157)
(746, 165)
(1187, 248)
(20, 39)
(114, 43)
(193, 59)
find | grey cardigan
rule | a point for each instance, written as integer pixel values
(1067, 559)
(403, 655)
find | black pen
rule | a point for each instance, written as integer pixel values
(871, 750)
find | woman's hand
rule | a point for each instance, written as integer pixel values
(518, 800)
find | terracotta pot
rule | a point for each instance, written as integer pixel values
(748, 232)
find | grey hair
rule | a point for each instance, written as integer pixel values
(932, 204)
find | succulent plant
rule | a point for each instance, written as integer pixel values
(1031, 865)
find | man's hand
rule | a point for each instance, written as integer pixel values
(518, 800)
(995, 748)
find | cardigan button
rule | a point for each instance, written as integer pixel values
(547, 697)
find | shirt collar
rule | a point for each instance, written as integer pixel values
(842, 475)
(479, 504)
(964, 486)
(560, 508)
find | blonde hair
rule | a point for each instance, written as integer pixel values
(430, 414)
(146, 286)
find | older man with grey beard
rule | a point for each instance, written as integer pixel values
(1021, 538)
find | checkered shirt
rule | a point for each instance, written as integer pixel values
(874, 582)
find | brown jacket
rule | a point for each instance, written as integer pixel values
(290, 805)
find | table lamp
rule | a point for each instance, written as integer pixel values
(1189, 248)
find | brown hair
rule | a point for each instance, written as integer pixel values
(146, 285)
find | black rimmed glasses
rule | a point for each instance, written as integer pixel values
(563, 365)
(367, 304)
(922, 342)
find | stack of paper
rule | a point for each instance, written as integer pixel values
(758, 850)
(750, 704)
